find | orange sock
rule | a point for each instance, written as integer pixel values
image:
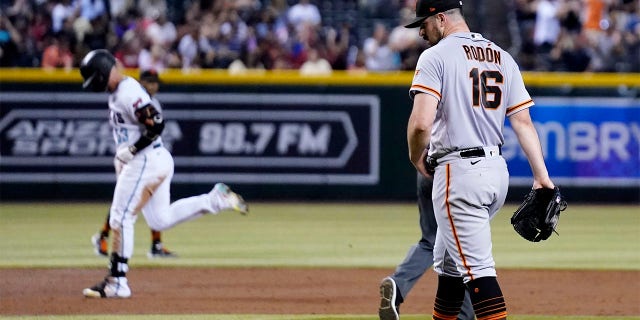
(449, 297)
(106, 228)
(155, 236)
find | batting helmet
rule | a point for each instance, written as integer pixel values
(95, 69)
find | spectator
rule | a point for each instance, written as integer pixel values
(306, 37)
(525, 15)
(39, 28)
(19, 8)
(162, 31)
(405, 42)
(337, 45)
(98, 34)
(90, 10)
(152, 8)
(594, 20)
(209, 32)
(629, 25)
(359, 63)
(570, 54)
(251, 51)
(9, 40)
(570, 17)
(119, 8)
(304, 12)
(236, 67)
(189, 48)
(546, 30)
(64, 10)
(58, 54)
(129, 52)
(315, 65)
(153, 58)
(378, 55)
(231, 38)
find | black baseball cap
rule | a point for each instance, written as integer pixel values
(149, 76)
(427, 8)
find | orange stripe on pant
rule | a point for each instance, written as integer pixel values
(440, 316)
(498, 316)
(453, 227)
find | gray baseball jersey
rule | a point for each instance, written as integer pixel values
(470, 76)
(477, 84)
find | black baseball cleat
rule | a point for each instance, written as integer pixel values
(389, 310)
(159, 251)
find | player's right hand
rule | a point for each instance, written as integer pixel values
(423, 166)
(125, 155)
(118, 165)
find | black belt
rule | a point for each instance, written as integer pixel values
(475, 152)
(431, 163)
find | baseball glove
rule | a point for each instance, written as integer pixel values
(538, 215)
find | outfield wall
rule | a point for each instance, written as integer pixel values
(280, 136)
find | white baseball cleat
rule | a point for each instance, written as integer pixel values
(223, 198)
(111, 287)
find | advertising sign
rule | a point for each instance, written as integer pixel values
(591, 142)
(239, 138)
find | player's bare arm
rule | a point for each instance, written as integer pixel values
(530, 143)
(419, 129)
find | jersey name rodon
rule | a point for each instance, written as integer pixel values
(482, 54)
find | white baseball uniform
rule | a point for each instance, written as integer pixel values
(477, 85)
(143, 184)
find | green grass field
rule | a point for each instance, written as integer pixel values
(312, 234)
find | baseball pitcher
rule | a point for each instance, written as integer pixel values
(463, 88)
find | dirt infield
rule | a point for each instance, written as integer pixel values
(301, 291)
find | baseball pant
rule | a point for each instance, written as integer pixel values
(420, 256)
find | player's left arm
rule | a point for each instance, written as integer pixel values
(153, 122)
(530, 143)
(518, 103)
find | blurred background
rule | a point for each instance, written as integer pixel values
(543, 35)
(306, 99)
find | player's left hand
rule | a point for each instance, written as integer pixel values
(537, 216)
(124, 155)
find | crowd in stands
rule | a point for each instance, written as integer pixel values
(314, 36)
(579, 35)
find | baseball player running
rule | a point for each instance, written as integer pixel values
(151, 83)
(395, 288)
(463, 88)
(144, 170)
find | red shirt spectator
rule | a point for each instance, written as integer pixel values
(57, 54)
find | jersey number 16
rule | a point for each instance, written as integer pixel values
(482, 91)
